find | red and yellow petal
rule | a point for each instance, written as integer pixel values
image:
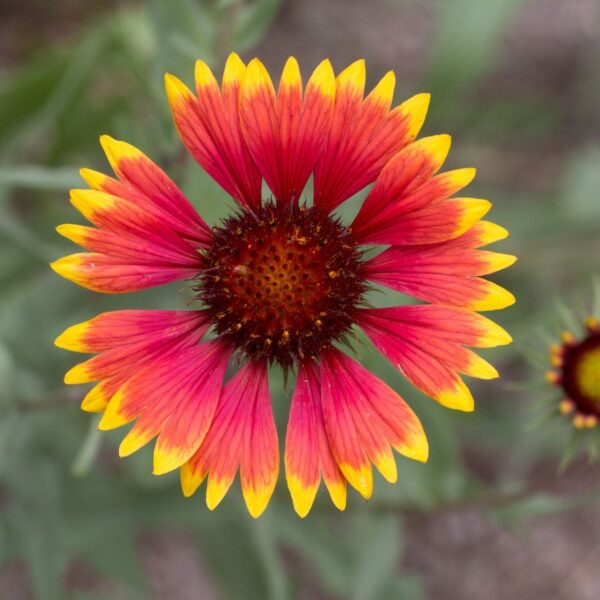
(197, 234)
(97, 399)
(434, 223)
(481, 234)
(307, 451)
(285, 130)
(151, 186)
(128, 341)
(130, 248)
(242, 435)
(426, 342)
(364, 135)
(113, 275)
(448, 272)
(147, 232)
(129, 327)
(408, 170)
(410, 262)
(174, 398)
(365, 419)
(408, 205)
(134, 222)
(209, 126)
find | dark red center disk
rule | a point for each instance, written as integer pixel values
(581, 374)
(282, 284)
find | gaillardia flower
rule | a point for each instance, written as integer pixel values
(282, 281)
(576, 370)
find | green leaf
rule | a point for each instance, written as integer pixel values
(40, 177)
(38, 519)
(253, 22)
(377, 560)
(89, 449)
(319, 542)
(468, 33)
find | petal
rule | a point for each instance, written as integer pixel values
(408, 205)
(128, 358)
(126, 248)
(481, 234)
(133, 222)
(285, 131)
(97, 399)
(242, 435)
(128, 327)
(426, 343)
(147, 233)
(128, 340)
(364, 135)
(436, 222)
(115, 275)
(307, 451)
(437, 259)
(208, 125)
(365, 419)
(174, 398)
(198, 236)
(151, 186)
(127, 230)
(448, 272)
(406, 172)
(259, 468)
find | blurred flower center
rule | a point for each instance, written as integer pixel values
(588, 374)
(282, 283)
(581, 374)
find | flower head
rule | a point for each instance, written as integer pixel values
(283, 281)
(576, 370)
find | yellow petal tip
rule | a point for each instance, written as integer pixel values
(499, 261)
(481, 369)
(234, 69)
(95, 400)
(497, 298)
(457, 398)
(384, 91)
(323, 79)
(94, 179)
(117, 151)
(303, 496)
(472, 210)
(78, 374)
(290, 76)
(165, 462)
(74, 233)
(386, 465)
(177, 92)
(360, 479)
(190, 480)
(338, 494)
(257, 500)
(132, 442)
(215, 492)
(353, 77)
(71, 338)
(256, 77)
(491, 232)
(204, 77)
(415, 109)
(436, 147)
(416, 447)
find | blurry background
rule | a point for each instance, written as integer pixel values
(517, 84)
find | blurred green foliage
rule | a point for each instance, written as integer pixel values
(64, 496)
